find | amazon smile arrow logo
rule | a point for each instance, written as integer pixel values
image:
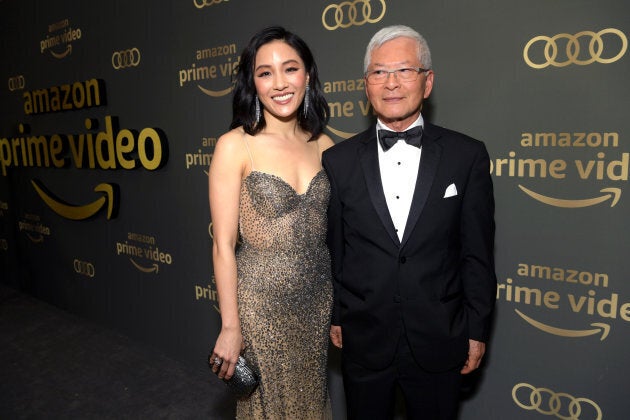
(612, 194)
(153, 269)
(109, 199)
(215, 93)
(598, 328)
(343, 134)
(63, 54)
(35, 239)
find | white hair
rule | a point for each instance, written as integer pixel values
(398, 31)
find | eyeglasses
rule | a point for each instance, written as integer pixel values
(406, 74)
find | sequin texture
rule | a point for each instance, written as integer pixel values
(285, 296)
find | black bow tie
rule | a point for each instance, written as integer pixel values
(413, 136)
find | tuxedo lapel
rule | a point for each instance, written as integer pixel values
(429, 160)
(368, 156)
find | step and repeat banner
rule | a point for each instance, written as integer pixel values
(110, 111)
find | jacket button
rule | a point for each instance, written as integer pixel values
(403, 260)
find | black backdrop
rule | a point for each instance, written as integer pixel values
(104, 209)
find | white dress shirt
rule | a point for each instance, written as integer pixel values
(399, 171)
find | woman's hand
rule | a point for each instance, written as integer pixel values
(226, 351)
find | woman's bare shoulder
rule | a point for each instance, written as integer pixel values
(324, 142)
(230, 138)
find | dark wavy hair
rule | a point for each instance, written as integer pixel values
(243, 102)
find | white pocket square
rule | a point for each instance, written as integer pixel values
(451, 191)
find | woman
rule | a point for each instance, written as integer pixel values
(266, 182)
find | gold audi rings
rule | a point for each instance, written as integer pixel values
(16, 83)
(553, 404)
(126, 58)
(346, 14)
(200, 4)
(595, 49)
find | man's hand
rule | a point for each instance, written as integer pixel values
(335, 335)
(476, 350)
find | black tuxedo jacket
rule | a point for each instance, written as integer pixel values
(439, 280)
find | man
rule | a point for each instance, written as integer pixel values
(411, 235)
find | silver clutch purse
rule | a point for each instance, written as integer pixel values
(244, 381)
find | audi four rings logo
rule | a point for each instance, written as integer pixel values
(126, 58)
(200, 4)
(16, 83)
(572, 50)
(551, 403)
(346, 14)
(84, 267)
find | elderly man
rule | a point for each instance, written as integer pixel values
(411, 235)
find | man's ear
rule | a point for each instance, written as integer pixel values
(428, 84)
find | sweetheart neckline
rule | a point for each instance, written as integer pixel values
(308, 188)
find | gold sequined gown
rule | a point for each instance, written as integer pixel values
(285, 296)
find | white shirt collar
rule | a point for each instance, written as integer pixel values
(418, 122)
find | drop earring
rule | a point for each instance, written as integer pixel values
(257, 115)
(306, 100)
